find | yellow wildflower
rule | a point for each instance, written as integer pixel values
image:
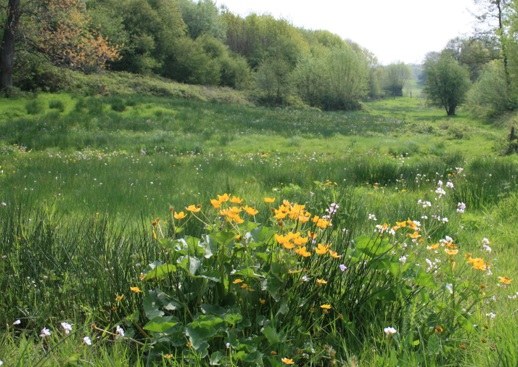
(119, 298)
(269, 200)
(288, 361)
(280, 213)
(320, 222)
(238, 281)
(179, 216)
(451, 252)
(135, 290)
(412, 225)
(321, 281)
(321, 249)
(401, 224)
(236, 200)
(477, 263)
(302, 251)
(450, 245)
(505, 280)
(250, 211)
(223, 198)
(215, 203)
(326, 306)
(414, 235)
(193, 208)
(299, 240)
(334, 254)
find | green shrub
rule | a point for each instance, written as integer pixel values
(118, 104)
(34, 107)
(33, 72)
(489, 96)
(56, 104)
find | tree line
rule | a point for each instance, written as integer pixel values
(191, 42)
(277, 63)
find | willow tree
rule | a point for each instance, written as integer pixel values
(447, 82)
(333, 79)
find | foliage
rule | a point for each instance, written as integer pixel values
(152, 28)
(272, 82)
(489, 96)
(474, 52)
(202, 18)
(338, 79)
(394, 78)
(446, 82)
(61, 30)
(259, 38)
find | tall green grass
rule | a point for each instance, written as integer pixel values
(82, 178)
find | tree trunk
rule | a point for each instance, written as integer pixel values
(7, 46)
(450, 110)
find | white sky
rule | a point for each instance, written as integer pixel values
(393, 30)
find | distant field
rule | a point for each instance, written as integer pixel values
(81, 179)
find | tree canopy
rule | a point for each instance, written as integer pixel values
(447, 82)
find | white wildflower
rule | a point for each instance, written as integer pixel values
(372, 217)
(402, 259)
(440, 191)
(17, 322)
(449, 288)
(87, 340)
(66, 327)
(342, 267)
(461, 208)
(491, 315)
(485, 245)
(424, 204)
(119, 331)
(449, 185)
(45, 332)
(430, 264)
(389, 331)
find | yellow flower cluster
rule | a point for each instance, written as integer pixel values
(290, 240)
(413, 225)
(296, 242)
(321, 222)
(298, 213)
(229, 209)
(291, 211)
(477, 263)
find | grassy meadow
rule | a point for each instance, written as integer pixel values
(107, 224)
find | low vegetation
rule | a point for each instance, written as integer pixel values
(253, 236)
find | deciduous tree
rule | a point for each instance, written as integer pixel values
(59, 29)
(447, 82)
(394, 78)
